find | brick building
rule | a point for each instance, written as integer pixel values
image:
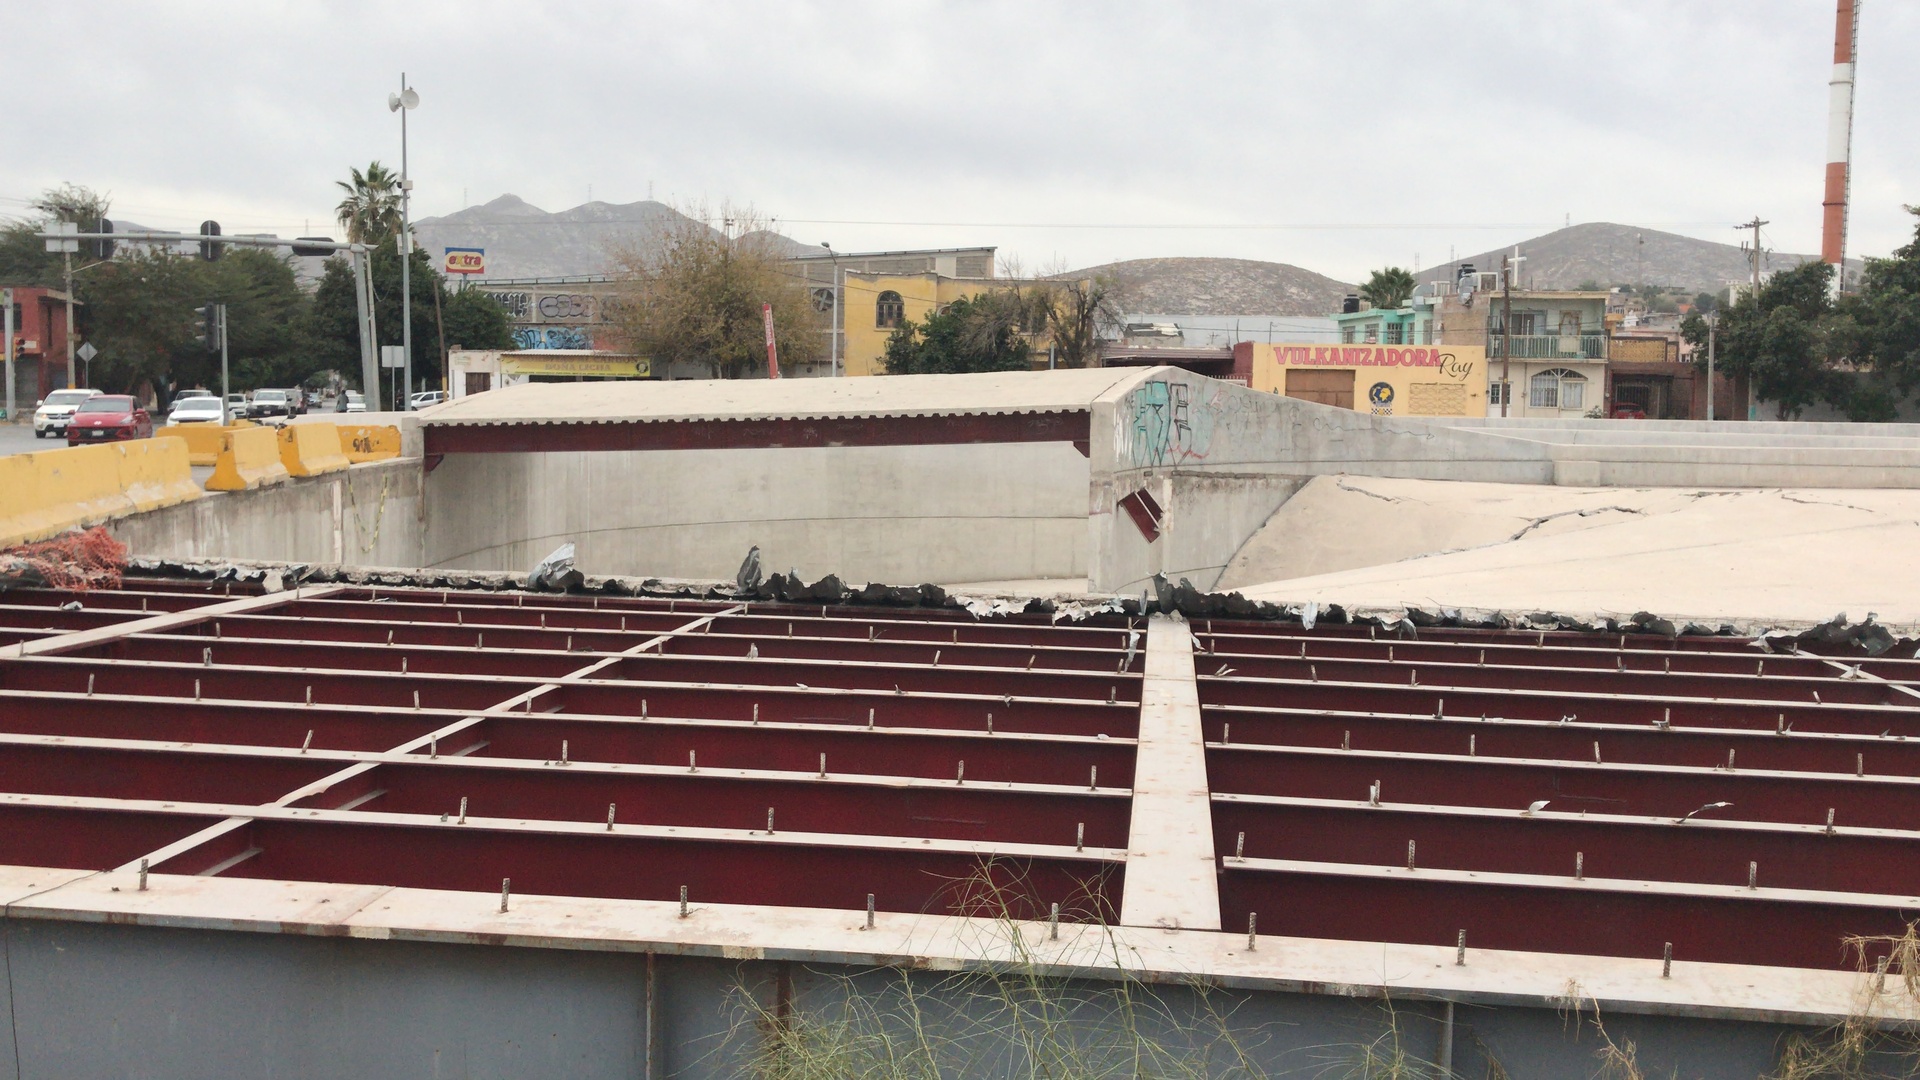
(39, 343)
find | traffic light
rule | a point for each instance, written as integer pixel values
(211, 249)
(101, 249)
(209, 335)
(313, 252)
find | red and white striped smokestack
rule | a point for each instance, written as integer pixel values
(1833, 231)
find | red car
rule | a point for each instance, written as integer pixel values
(108, 417)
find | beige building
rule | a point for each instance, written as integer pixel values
(1558, 364)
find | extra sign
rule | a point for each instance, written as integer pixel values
(466, 261)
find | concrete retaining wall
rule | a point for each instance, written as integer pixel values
(893, 514)
(1220, 458)
(368, 515)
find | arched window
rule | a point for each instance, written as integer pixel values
(888, 310)
(1558, 388)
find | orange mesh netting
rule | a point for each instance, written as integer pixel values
(75, 561)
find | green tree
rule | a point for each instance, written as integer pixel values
(371, 211)
(978, 333)
(691, 293)
(1388, 289)
(475, 320)
(1878, 330)
(1781, 340)
(333, 327)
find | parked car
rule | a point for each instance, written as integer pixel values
(425, 398)
(105, 417)
(350, 401)
(198, 391)
(266, 403)
(54, 410)
(236, 405)
(194, 409)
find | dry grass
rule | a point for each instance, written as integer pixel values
(1872, 1042)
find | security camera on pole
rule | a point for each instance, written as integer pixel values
(404, 102)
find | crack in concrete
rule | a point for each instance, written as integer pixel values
(1539, 521)
(1344, 486)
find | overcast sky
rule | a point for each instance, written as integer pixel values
(1338, 135)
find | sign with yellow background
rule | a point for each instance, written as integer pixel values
(602, 367)
(1385, 380)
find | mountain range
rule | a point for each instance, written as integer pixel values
(525, 241)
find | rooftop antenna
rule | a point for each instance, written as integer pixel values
(1833, 225)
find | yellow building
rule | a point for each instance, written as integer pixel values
(878, 303)
(1385, 380)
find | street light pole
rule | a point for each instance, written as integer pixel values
(403, 103)
(66, 258)
(6, 298)
(839, 298)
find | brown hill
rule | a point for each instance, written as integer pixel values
(1191, 286)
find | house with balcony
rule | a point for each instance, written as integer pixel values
(1550, 360)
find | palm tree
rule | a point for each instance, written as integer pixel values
(1388, 289)
(371, 211)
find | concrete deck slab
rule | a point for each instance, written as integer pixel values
(1170, 863)
(1752, 557)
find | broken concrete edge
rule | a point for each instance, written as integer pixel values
(1834, 637)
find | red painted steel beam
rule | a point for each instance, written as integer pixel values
(473, 858)
(239, 723)
(157, 774)
(1470, 704)
(976, 811)
(758, 434)
(853, 674)
(338, 656)
(1874, 801)
(850, 749)
(86, 839)
(1796, 751)
(1849, 860)
(273, 685)
(1417, 910)
(1745, 685)
(1570, 655)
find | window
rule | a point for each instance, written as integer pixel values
(1346, 334)
(888, 310)
(1499, 393)
(1393, 333)
(1373, 333)
(1558, 388)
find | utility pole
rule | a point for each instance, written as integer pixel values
(66, 258)
(1506, 334)
(403, 103)
(1754, 252)
(6, 297)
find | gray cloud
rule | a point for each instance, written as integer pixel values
(1493, 120)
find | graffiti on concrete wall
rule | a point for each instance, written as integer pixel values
(551, 337)
(567, 307)
(518, 305)
(1162, 426)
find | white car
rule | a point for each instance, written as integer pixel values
(194, 409)
(56, 409)
(425, 398)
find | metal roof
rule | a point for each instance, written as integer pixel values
(984, 393)
(1598, 797)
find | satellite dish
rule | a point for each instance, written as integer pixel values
(406, 99)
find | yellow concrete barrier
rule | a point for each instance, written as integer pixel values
(369, 442)
(311, 449)
(46, 493)
(249, 458)
(203, 440)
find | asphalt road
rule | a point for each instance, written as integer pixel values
(18, 439)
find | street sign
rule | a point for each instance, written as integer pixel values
(87, 352)
(393, 356)
(62, 244)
